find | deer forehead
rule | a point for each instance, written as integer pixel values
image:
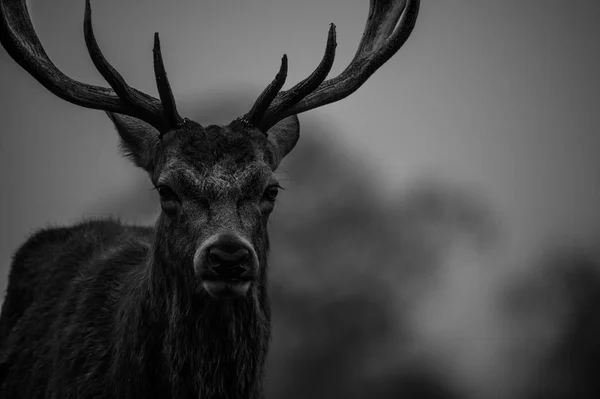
(219, 179)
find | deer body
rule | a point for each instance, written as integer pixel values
(81, 333)
(180, 309)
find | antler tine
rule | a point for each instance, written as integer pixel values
(107, 71)
(21, 42)
(145, 105)
(376, 47)
(164, 88)
(382, 22)
(389, 24)
(290, 97)
(266, 97)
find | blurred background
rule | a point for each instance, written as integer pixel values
(437, 237)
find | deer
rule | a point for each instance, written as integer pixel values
(180, 309)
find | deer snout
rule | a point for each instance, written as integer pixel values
(226, 265)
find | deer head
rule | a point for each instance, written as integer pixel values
(216, 183)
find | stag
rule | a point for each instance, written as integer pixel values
(102, 309)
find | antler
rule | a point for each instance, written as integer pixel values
(389, 25)
(18, 37)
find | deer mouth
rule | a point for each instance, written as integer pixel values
(223, 289)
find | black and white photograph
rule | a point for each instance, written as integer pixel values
(316, 199)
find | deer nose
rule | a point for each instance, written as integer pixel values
(226, 257)
(228, 260)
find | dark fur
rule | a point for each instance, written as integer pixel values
(106, 310)
(88, 322)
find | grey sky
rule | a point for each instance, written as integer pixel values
(503, 95)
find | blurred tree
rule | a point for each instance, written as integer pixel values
(573, 365)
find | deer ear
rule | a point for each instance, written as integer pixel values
(138, 139)
(282, 138)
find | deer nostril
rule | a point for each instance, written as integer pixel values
(213, 260)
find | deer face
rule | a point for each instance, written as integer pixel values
(216, 188)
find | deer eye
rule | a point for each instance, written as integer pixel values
(166, 194)
(271, 193)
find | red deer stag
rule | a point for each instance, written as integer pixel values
(103, 309)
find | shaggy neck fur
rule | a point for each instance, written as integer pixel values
(196, 346)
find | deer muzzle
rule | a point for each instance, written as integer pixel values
(226, 265)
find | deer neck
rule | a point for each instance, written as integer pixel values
(206, 347)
